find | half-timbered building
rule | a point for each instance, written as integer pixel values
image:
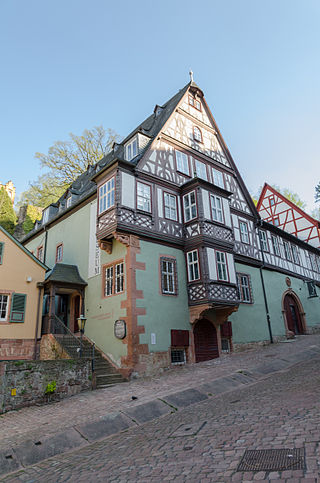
(162, 240)
(275, 208)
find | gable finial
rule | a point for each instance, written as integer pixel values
(191, 75)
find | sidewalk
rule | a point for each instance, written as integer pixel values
(35, 433)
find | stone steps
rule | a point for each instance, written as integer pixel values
(106, 374)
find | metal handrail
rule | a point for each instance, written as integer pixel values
(68, 338)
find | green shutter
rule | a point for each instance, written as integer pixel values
(18, 307)
(1, 252)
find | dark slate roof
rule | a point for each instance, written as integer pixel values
(64, 273)
(84, 186)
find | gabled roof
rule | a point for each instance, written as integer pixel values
(290, 203)
(64, 273)
(25, 250)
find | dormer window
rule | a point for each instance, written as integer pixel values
(197, 136)
(45, 216)
(195, 103)
(132, 149)
(69, 199)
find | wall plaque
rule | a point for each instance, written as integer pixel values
(288, 281)
(120, 329)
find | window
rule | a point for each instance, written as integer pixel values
(275, 244)
(168, 276)
(216, 208)
(132, 149)
(190, 206)
(193, 266)
(244, 288)
(222, 266)
(263, 241)
(45, 216)
(182, 163)
(18, 307)
(1, 252)
(4, 304)
(113, 279)
(59, 252)
(244, 235)
(201, 170)
(119, 280)
(170, 206)
(197, 136)
(69, 199)
(287, 251)
(276, 221)
(106, 195)
(312, 289)
(143, 197)
(195, 103)
(217, 178)
(295, 254)
(271, 201)
(178, 356)
(40, 253)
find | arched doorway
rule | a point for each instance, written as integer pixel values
(293, 314)
(205, 341)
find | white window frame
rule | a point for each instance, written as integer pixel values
(168, 276)
(45, 216)
(109, 277)
(107, 195)
(201, 169)
(190, 210)
(132, 149)
(244, 234)
(143, 197)
(222, 266)
(40, 253)
(119, 278)
(263, 240)
(170, 206)
(193, 265)
(244, 288)
(182, 162)
(295, 254)
(287, 250)
(197, 134)
(216, 208)
(7, 303)
(68, 203)
(217, 177)
(276, 246)
(59, 251)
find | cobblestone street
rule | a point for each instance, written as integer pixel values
(280, 411)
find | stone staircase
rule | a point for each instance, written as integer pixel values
(105, 374)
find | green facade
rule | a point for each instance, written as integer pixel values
(249, 324)
(163, 312)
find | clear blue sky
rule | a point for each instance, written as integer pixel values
(68, 65)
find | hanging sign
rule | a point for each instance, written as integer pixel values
(120, 329)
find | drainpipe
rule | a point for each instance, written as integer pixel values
(45, 245)
(40, 286)
(263, 285)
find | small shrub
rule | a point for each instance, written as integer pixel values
(51, 387)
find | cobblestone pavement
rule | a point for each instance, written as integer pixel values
(280, 411)
(36, 421)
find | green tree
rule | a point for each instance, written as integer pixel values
(7, 215)
(65, 162)
(290, 195)
(33, 213)
(317, 192)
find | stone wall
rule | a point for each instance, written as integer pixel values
(16, 349)
(25, 383)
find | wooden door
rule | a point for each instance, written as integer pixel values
(205, 341)
(293, 315)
